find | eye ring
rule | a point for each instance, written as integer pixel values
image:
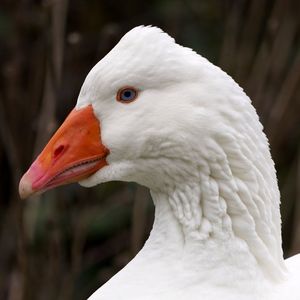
(127, 94)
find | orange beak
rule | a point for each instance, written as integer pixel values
(74, 153)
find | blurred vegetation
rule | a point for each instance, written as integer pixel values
(68, 242)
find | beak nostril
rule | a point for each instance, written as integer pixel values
(58, 151)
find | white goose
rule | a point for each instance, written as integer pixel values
(174, 122)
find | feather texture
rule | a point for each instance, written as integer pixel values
(193, 137)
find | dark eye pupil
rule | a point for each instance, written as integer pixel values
(127, 94)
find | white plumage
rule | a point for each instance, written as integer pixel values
(195, 140)
(192, 137)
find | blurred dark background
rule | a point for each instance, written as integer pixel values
(68, 242)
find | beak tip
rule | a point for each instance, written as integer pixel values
(25, 187)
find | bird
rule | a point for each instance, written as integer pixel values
(159, 114)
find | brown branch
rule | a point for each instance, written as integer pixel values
(250, 35)
(47, 119)
(286, 93)
(256, 82)
(295, 245)
(276, 62)
(139, 218)
(9, 147)
(229, 46)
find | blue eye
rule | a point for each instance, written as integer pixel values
(127, 94)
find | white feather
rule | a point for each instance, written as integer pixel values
(195, 140)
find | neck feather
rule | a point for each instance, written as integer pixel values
(232, 197)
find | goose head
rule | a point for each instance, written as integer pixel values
(154, 112)
(138, 110)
